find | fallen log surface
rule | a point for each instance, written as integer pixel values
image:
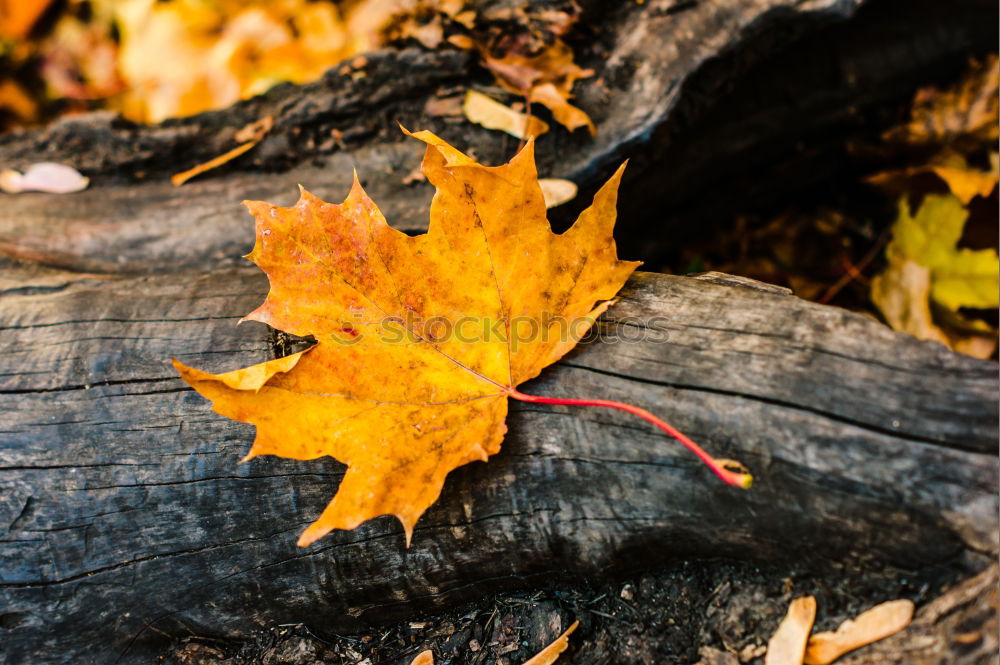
(703, 98)
(128, 518)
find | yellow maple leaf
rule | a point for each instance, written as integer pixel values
(420, 340)
(924, 264)
(959, 277)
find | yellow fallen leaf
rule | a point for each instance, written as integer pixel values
(788, 644)
(968, 279)
(873, 625)
(959, 277)
(902, 294)
(405, 412)
(557, 191)
(491, 114)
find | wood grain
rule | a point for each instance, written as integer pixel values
(127, 516)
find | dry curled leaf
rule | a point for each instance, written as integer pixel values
(788, 644)
(902, 293)
(546, 78)
(420, 340)
(491, 114)
(966, 110)
(870, 626)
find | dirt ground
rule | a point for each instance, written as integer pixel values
(716, 612)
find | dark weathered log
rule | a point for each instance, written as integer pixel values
(676, 91)
(127, 516)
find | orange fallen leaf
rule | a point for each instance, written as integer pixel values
(546, 78)
(461, 41)
(870, 626)
(964, 181)
(550, 654)
(424, 658)
(567, 115)
(17, 17)
(546, 656)
(15, 100)
(252, 134)
(788, 644)
(420, 340)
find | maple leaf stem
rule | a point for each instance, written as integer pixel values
(740, 478)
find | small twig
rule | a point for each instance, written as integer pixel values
(852, 272)
(609, 616)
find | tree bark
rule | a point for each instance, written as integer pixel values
(128, 516)
(717, 106)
